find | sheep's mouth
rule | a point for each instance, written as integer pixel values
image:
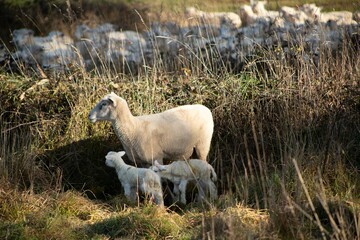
(93, 120)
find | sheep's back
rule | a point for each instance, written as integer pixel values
(190, 169)
(174, 133)
(192, 118)
(186, 113)
(200, 168)
(181, 169)
(149, 177)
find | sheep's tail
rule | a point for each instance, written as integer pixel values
(213, 174)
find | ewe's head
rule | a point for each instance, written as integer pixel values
(105, 108)
(112, 157)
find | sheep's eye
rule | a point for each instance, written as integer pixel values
(102, 105)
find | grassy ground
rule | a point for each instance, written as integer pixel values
(286, 148)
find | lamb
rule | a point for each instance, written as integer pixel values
(172, 134)
(181, 172)
(133, 178)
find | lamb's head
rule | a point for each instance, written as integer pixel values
(112, 157)
(157, 167)
(105, 108)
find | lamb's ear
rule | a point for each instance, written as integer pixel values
(121, 153)
(109, 154)
(157, 164)
(161, 167)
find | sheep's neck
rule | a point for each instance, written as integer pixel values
(125, 126)
(119, 166)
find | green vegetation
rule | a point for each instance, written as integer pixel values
(286, 148)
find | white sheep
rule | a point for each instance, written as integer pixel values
(247, 15)
(293, 15)
(172, 134)
(125, 48)
(340, 17)
(181, 172)
(133, 178)
(229, 18)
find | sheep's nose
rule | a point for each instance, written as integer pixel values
(91, 118)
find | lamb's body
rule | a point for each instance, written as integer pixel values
(181, 172)
(172, 134)
(133, 178)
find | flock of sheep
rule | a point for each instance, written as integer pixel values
(234, 36)
(151, 140)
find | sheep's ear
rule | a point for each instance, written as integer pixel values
(121, 153)
(157, 164)
(111, 98)
(109, 154)
(112, 101)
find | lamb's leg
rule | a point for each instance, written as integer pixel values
(212, 190)
(182, 188)
(153, 191)
(130, 193)
(127, 191)
(202, 188)
(158, 196)
(134, 195)
(176, 191)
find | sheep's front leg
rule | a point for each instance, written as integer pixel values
(182, 188)
(176, 191)
(130, 193)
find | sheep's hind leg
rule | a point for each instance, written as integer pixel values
(202, 150)
(212, 190)
(202, 188)
(182, 188)
(159, 199)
